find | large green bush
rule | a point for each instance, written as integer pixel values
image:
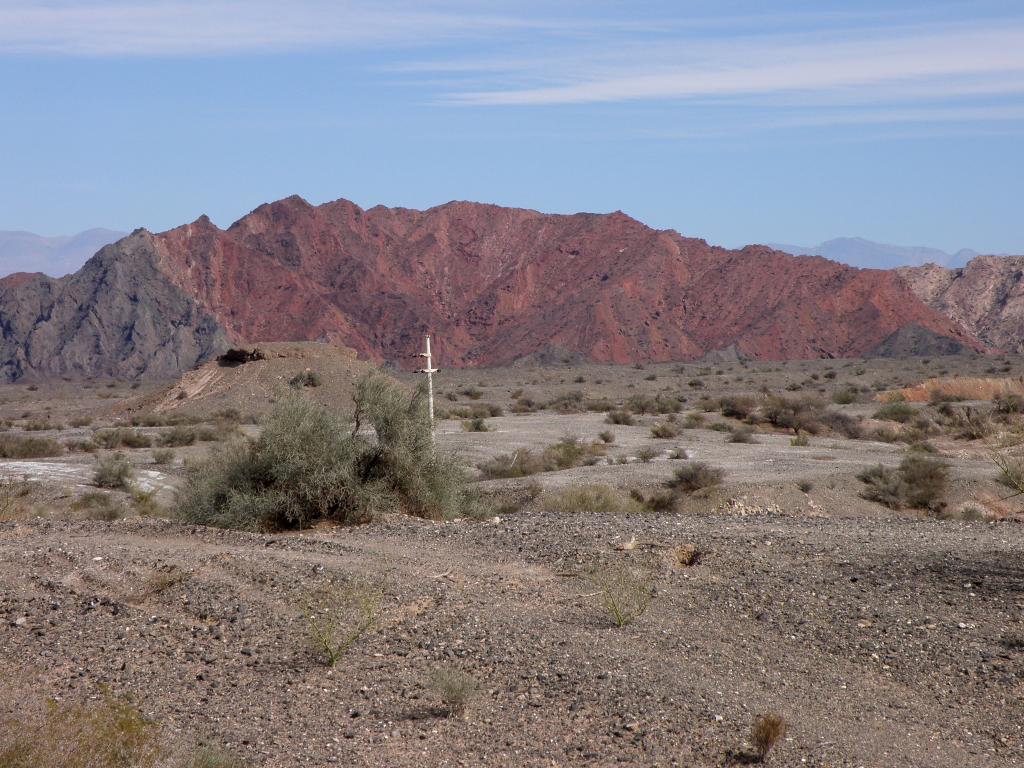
(308, 465)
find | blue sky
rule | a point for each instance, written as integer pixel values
(737, 122)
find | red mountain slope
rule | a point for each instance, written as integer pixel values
(499, 284)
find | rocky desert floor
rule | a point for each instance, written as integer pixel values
(883, 637)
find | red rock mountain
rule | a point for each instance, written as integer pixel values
(494, 285)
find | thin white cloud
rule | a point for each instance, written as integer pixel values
(725, 69)
(200, 27)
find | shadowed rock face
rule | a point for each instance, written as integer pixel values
(494, 285)
(118, 316)
(986, 297)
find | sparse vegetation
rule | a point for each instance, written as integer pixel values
(163, 456)
(666, 430)
(309, 465)
(619, 416)
(600, 499)
(306, 378)
(112, 439)
(455, 688)
(694, 476)
(25, 447)
(646, 454)
(113, 471)
(623, 592)
(98, 505)
(919, 482)
(741, 435)
(475, 425)
(338, 616)
(567, 452)
(108, 732)
(766, 732)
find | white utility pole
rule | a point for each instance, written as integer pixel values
(430, 371)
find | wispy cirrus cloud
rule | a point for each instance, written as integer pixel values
(971, 60)
(205, 27)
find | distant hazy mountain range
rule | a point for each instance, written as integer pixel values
(54, 256)
(858, 252)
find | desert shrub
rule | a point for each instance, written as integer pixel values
(98, 505)
(970, 424)
(806, 486)
(693, 420)
(924, 481)
(660, 404)
(475, 425)
(524, 405)
(308, 464)
(81, 446)
(42, 425)
(1008, 404)
(163, 456)
(919, 482)
(885, 435)
(647, 454)
(899, 411)
(472, 393)
(694, 476)
(1010, 472)
(569, 402)
(113, 471)
(338, 616)
(14, 496)
(624, 593)
(121, 438)
(737, 406)
(178, 437)
(566, 453)
(306, 378)
(621, 417)
(741, 435)
(842, 423)
(799, 441)
(24, 447)
(602, 499)
(844, 396)
(799, 414)
(606, 436)
(107, 732)
(666, 430)
(455, 688)
(766, 732)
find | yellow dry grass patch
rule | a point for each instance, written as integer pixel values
(956, 387)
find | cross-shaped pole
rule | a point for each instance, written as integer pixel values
(430, 371)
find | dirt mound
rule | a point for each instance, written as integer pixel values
(327, 373)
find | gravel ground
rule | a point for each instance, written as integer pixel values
(887, 641)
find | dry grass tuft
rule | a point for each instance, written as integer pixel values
(954, 388)
(456, 689)
(624, 592)
(766, 732)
